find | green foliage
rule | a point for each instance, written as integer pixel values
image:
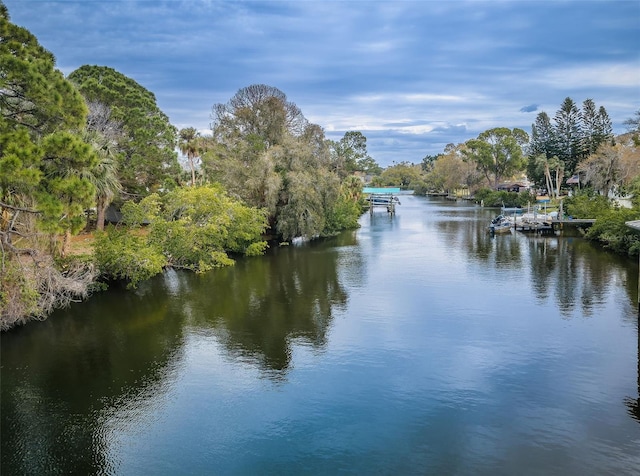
(120, 254)
(302, 214)
(349, 155)
(343, 215)
(42, 158)
(634, 189)
(612, 233)
(400, 175)
(65, 189)
(35, 95)
(195, 228)
(20, 172)
(497, 153)
(572, 136)
(264, 151)
(147, 146)
(495, 198)
(587, 204)
(420, 187)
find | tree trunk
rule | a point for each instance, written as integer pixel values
(66, 242)
(547, 176)
(101, 208)
(559, 177)
(193, 170)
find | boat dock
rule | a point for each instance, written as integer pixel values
(382, 197)
(551, 225)
(386, 200)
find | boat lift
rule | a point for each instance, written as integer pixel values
(387, 200)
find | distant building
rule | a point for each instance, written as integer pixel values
(513, 187)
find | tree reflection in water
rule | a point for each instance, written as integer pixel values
(72, 372)
(258, 307)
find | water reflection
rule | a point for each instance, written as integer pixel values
(61, 379)
(570, 271)
(258, 307)
(633, 405)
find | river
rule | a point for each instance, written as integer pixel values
(418, 344)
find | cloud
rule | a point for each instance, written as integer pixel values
(413, 76)
(529, 108)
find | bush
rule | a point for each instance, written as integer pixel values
(343, 215)
(196, 227)
(587, 204)
(495, 198)
(18, 296)
(119, 254)
(612, 233)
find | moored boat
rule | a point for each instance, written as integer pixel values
(501, 224)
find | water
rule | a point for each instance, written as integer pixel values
(417, 345)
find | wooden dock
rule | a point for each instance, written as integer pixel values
(552, 226)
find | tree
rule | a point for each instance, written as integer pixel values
(103, 134)
(429, 160)
(264, 151)
(596, 127)
(568, 134)
(542, 144)
(189, 144)
(146, 149)
(572, 137)
(451, 170)
(350, 155)
(546, 165)
(589, 117)
(259, 113)
(612, 166)
(67, 193)
(197, 227)
(42, 159)
(33, 94)
(633, 123)
(400, 175)
(497, 153)
(604, 128)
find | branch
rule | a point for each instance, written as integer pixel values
(19, 209)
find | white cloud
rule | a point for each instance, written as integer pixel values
(594, 75)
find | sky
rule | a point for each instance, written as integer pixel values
(412, 76)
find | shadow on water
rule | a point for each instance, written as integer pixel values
(62, 378)
(68, 380)
(571, 271)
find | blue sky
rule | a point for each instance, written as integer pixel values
(412, 76)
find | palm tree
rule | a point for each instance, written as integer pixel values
(189, 145)
(104, 175)
(103, 134)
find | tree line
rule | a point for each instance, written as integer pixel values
(97, 139)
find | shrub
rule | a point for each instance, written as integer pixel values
(612, 233)
(120, 254)
(495, 198)
(587, 204)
